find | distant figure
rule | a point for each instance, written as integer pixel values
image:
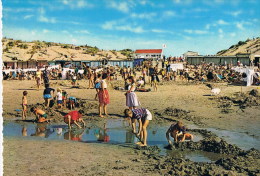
(38, 78)
(131, 98)
(74, 79)
(46, 76)
(178, 133)
(24, 105)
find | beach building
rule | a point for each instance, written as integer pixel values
(148, 53)
(100, 58)
(16, 61)
(141, 55)
(242, 58)
(190, 53)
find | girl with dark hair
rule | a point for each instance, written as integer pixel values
(131, 98)
(103, 96)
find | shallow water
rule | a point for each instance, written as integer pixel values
(242, 140)
(115, 132)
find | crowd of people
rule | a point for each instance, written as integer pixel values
(135, 79)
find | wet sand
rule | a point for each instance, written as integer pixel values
(101, 159)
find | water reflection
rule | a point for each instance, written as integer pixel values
(129, 136)
(41, 130)
(74, 135)
(24, 131)
(112, 132)
(102, 134)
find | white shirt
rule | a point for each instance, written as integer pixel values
(59, 96)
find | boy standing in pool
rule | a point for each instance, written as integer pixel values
(143, 116)
(24, 104)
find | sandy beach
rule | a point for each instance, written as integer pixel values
(50, 157)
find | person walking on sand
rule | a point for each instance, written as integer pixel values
(91, 80)
(38, 78)
(143, 116)
(74, 117)
(46, 76)
(131, 98)
(103, 96)
(24, 105)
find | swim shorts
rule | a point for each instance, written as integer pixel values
(47, 96)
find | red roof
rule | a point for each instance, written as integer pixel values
(149, 51)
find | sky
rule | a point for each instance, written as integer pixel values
(204, 26)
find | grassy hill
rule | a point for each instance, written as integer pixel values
(40, 50)
(250, 46)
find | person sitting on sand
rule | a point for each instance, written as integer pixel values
(41, 116)
(74, 117)
(143, 116)
(178, 133)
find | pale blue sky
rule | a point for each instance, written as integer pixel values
(205, 26)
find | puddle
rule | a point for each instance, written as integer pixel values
(198, 156)
(116, 132)
(242, 140)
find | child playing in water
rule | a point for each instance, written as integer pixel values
(74, 117)
(143, 116)
(59, 98)
(41, 116)
(178, 133)
(24, 104)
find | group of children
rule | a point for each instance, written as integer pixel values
(142, 116)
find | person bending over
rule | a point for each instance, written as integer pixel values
(143, 116)
(41, 116)
(178, 133)
(74, 117)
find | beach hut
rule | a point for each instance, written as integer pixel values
(222, 60)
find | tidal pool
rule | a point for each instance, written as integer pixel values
(116, 132)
